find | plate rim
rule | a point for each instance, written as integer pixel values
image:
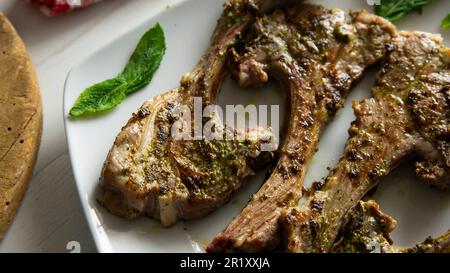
(99, 243)
(101, 240)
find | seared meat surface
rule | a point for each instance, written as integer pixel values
(149, 172)
(407, 116)
(367, 230)
(316, 54)
(430, 107)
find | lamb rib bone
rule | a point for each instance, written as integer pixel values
(316, 54)
(389, 128)
(148, 172)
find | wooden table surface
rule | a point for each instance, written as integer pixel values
(51, 215)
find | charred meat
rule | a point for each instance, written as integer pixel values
(316, 54)
(440, 244)
(367, 229)
(148, 172)
(407, 117)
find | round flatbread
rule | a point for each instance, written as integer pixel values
(20, 121)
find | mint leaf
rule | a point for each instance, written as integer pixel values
(446, 22)
(137, 73)
(146, 59)
(397, 9)
(100, 97)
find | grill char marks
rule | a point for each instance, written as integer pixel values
(430, 105)
(404, 119)
(316, 55)
(440, 244)
(148, 172)
(366, 229)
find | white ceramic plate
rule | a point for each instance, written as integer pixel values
(421, 211)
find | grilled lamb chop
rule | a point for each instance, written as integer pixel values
(316, 54)
(148, 172)
(407, 116)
